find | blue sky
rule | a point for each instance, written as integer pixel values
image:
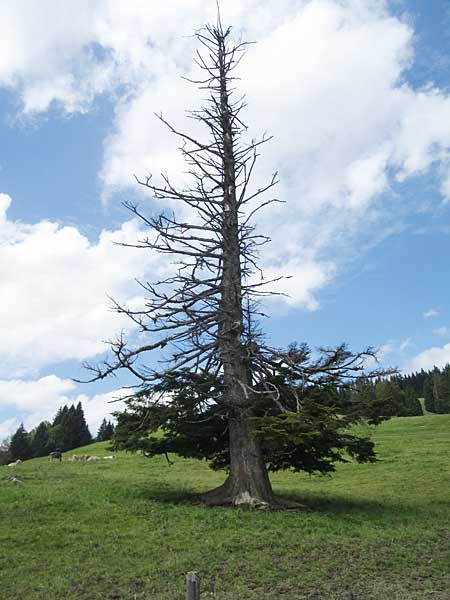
(357, 97)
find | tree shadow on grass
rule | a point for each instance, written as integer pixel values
(346, 507)
(168, 494)
(334, 505)
(317, 503)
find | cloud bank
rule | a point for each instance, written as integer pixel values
(54, 284)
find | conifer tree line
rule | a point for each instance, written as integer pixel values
(433, 386)
(382, 399)
(105, 431)
(67, 431)
(399, 395)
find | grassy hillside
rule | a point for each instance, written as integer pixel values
(130, 528)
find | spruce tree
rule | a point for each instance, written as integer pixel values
(393, 401)
(62, 437)
(442, 390)
(419, 383)
(82, 433)
(60, 415)
(411, 404)
(105, 431)
(428, 393)
(69, 429)
(20, 446)
(389, 397)
(363, 402)
(56, 438)
(40, 439)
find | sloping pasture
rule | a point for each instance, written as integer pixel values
(131, 528)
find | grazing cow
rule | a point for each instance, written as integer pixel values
(15, 463)
(85, 457)
(57, 455)
(77, 457)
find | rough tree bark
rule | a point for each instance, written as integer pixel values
(248, 482)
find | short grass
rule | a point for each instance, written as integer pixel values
(131, 528)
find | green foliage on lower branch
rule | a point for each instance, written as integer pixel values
(179, 415)
(291, 441)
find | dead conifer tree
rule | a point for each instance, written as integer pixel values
(204, 312)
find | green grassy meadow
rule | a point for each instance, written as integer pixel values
(131, 528)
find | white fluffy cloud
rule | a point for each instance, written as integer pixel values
(47, 393)
(437, 356)
(54, 284)
(70, 52)
(38, 400)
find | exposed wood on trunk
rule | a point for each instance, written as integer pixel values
(248, 482)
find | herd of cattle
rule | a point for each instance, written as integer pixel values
(76, 457)
(73, 458)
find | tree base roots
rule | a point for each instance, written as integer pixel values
(219, 497)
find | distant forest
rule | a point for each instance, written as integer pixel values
(433, 386)
(67, 431)
(399, 395)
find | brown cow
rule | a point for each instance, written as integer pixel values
(56, 455)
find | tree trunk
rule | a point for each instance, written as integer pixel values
(248, 482)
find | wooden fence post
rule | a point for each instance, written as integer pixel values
(192, 586)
